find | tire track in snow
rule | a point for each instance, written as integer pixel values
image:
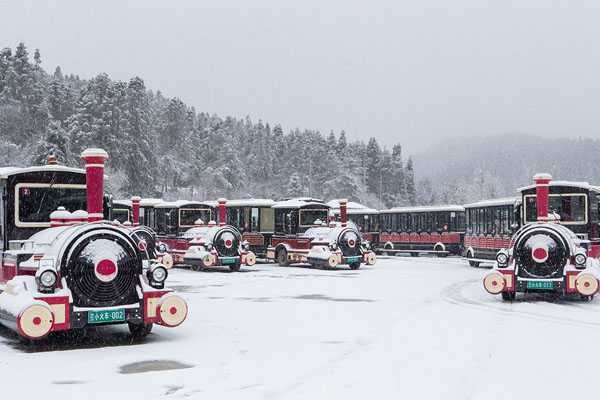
(454, 294)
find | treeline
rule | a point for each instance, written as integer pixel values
(162, 147)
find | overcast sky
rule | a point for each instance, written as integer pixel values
(402, 71)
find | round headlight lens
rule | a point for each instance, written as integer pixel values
(159, 274)
(48, 278)
(580, 259)
(502, 258)
(162, 248)
(333, 245)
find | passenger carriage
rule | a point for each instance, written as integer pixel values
(366, 219)
(255, 219)
(489, 227)
(414, 230)
(63, 268)
(554, 250)
(303, 235)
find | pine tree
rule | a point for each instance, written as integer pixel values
(373, 164)
(411, 193)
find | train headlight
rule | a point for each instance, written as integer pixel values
(157, 275)
(162, 247)
(366, 244)
(333, 245)
(245, 245)
(580, 260)
(209, 246)
(502, 259)
(47, 281)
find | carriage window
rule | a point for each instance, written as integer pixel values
(34, 204)
(267, 219)
(308, 217)
(571, 208)
(254, 220)
(166, 221)
(120, 214)
(189, 216)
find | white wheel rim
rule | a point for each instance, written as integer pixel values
(173, 310)
(36, 321)
(586, 284)
(494, 283)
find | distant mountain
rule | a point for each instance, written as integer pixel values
(469, 169)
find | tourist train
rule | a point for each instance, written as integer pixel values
(63, 268)
(555, 247)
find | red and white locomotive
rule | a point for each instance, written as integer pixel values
(217, 244)
(65, 270)
(545, 254)
(302, 235)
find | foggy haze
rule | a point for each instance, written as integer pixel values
(408, 72)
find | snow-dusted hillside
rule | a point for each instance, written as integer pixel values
(404, 328)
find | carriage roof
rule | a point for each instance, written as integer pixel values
(122, 203)
(504, 201)
(448, 208)
(300, 202)
(579, 185)
(5, 172)
(150, 202)
(250, 203)
(183, 203)
(352, 208)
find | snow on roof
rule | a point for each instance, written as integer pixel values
(493, 202)
(182, 203)
(122, 202)
(450, 208)
(250, 203)
(300, 202)
(352, 208)
(5, 172)
(150, 202)
(581, 185)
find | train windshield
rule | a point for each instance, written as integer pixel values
(34, 204)
(571, 208)
(120, 214)
(189, 216)
(309, 217)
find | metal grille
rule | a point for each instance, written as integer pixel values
(552, 267)
(347, 250)
(87, 289)
(219, 243)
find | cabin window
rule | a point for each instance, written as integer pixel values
(166, 223)
(308, 217)
(189, 216)
(35, 202)
(120, 214)
(572, 208)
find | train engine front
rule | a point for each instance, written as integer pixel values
(339, 243)
(83, 271)
(217, 245)
(544, 256)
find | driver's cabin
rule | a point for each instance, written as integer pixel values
(295, 216)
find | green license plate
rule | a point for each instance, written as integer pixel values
(540, 285)
(105, 316)
(228, 260)
(353, 258)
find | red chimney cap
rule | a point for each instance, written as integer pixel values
(542, 177)
(94, 152)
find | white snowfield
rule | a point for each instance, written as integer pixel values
(404, 328)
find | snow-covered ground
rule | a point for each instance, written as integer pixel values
(405, 328)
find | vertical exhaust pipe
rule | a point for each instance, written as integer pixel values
(135, 209)
(344, 212)
(94, 178)
(222, 212)
(542, 188)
